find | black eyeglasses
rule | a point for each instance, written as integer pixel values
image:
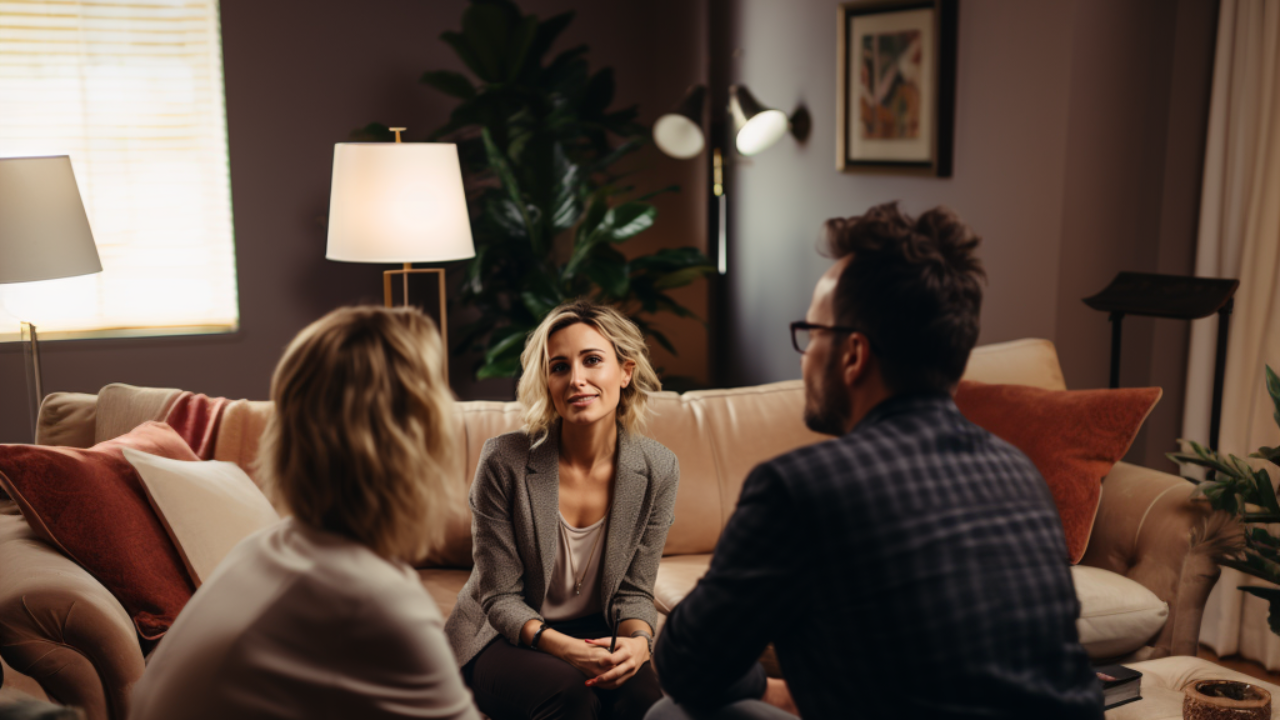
(802, 333)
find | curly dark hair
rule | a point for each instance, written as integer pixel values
(913, 287)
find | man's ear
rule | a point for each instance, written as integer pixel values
(855, 358)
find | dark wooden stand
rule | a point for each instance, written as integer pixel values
(1170, 296)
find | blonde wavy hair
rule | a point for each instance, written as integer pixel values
(363, 439)
(628, 345)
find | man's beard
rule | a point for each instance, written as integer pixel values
(831, 416)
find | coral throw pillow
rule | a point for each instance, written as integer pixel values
(1074, 437)
(91, 505)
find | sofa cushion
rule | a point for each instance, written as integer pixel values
(1031, 361)
(677, 574)
(1117, 615)
(67, 419)
(1073, 437)
(121, 408)
(206, 507)
(90, 505)
(443, 585)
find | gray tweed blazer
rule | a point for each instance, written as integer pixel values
(515, 508)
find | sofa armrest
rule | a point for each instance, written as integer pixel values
(62, 628)
(1143, 531)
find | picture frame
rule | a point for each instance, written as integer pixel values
(896, 86)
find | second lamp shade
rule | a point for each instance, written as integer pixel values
(398, 203)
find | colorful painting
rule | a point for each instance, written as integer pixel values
(895, 110)
(889, 103)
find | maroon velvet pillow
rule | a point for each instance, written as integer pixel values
(1074, 437)
(90, 504)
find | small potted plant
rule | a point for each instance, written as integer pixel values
(1235, 487)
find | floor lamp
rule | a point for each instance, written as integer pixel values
(44, 234)
(400, 203)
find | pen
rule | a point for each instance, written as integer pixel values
(613, 643)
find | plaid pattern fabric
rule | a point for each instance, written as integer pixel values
(915, 567)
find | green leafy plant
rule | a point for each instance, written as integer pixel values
(1250, 496)
(539, 143)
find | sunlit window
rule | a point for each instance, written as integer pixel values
(132, 91)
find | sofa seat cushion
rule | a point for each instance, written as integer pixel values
(677, 574)
(1117, 615)
(443, 585)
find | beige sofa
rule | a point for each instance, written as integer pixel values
(1142, 585)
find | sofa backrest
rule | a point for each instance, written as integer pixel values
(718, 435)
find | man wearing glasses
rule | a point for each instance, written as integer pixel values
(915, 565)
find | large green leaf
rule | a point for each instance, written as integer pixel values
(498, 38)
(680, 278)
(1266, 492)
(502, 367)
(608, 269)
(450, 83)
(599, 93)
(548, 31)
(566, 201)
(508, 179)
(469, 56)
(513, 338)
(625, 221)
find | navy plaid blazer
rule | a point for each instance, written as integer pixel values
(915, 567)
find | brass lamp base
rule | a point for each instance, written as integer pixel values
(35, 383)
(404, 274)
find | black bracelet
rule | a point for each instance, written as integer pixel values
(537, 636)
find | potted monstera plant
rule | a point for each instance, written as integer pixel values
(1248, 494)
(539, 145)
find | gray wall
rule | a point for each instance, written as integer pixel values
(296, 83)
(1078, 144)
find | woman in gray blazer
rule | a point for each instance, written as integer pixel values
(569, 518)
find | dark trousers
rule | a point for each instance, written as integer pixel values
(516, 683)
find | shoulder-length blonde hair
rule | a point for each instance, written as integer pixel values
(363, 439)
(628, 345)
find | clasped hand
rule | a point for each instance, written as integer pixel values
(609, 670)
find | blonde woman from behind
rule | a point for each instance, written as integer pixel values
(321, 616)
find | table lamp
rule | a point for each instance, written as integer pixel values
(44, 234)
(400, 203)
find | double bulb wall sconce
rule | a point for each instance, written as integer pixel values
(754, 126)
(749, 126)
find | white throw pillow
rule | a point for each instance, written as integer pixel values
(206, 507)
(1117, 615)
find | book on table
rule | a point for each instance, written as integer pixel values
(1120, 685)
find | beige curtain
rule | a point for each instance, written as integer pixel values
(1240, 238)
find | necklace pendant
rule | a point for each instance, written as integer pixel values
(577, 590)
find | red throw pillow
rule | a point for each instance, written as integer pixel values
(1074, 437)
(90, 504)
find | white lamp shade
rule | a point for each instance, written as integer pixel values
(44, 232)
(762, 131)
(678, 136)
(398, 203)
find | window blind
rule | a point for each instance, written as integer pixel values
(132, 91)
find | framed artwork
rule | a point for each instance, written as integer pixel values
(896, 66)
